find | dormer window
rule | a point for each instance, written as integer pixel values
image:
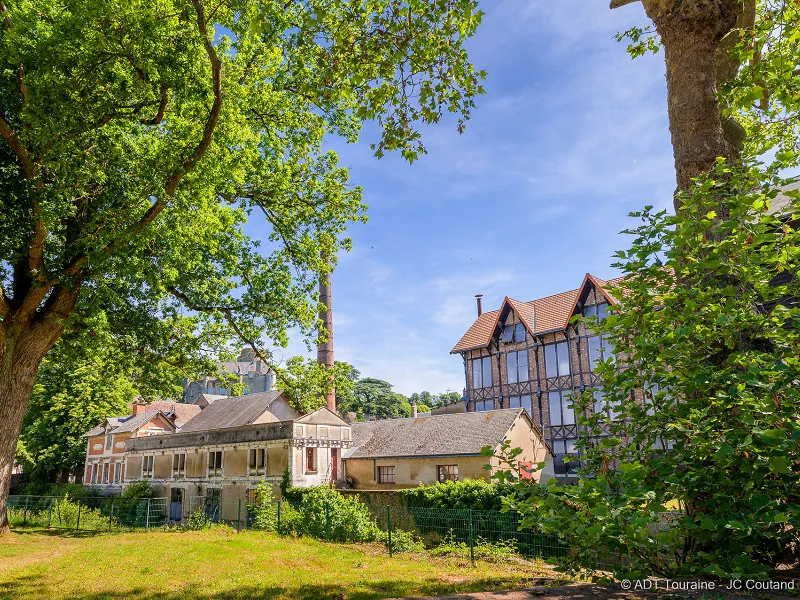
(514, 333)
(599, 311)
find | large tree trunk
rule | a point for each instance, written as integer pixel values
(17, 377)
(692, 33)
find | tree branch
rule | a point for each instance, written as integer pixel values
(620, 3)
(162, 108)
(227, 314)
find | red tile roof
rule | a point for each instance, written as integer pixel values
(551, 313)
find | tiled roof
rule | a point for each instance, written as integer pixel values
(232, 412)
(438, 435)
(101, 429)
(550, 313)
(183, 412)
(133, 423)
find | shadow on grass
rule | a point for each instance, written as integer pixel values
(61, 532)
(31, 586)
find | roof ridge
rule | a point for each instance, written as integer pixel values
(473, 412)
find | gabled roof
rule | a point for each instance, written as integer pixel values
(134, 423)
(551, 313)
(456, 434)
(322, 415)
(232, 412)
(111, 422)
(183, 412)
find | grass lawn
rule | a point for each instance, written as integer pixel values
(224, 564)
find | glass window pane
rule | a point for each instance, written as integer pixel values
(508, 333)
(511, 367)
(522, 365)
(476, 373)
(563, 358)
(568, 413)
(599, 401)
(519, 333)
(595, 355)
(555, 408)
(487, 372)
(608, 348)
(525, 401)
(602, 311)
(550, 363)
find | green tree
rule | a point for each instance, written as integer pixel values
(138, 138)
(308, 380)
(375, 398)
(86, 377)
(699, 412)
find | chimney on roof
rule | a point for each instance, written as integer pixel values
(480, 303)
(138, 407)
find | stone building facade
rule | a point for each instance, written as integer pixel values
(247, 369)
(531, 355)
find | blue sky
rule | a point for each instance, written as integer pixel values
(570, 136)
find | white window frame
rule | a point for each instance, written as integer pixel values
(180, 470)
(482, 384)
(215, 471)
(148, 459)
(253, 467)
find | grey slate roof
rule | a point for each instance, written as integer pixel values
(133, 423)
(438, 435)
(232, 412)
(100, 429)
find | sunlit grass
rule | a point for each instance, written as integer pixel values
(224, 564)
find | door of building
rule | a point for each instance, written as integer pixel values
(175, 504)
(335, 464)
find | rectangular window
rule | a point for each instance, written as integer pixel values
(447, 473)
(117, 472)
(484, 405)
(94, 473)
(514, 333)
(251, 496)
(215, 463)
(560, 413)
(106, 468)
(556, 359)
(562, 465)
(600, 349)
(179, 464)
(482, 372)
(607, 407)
(521, 402)
(322, 432)
(599, 311)
(257, 461)
(311, 460)
(517, 366)
(386, 474)
(147, 466)
(108, 441)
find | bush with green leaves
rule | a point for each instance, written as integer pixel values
(705, 389)
(327, 514)
(264, 509)
(476, 494)
(140, 488)
(402, 541)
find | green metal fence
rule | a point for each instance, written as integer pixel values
(473, 534)
(88, 514)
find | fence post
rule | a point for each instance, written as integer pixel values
(25, 511)
(239, 517)
(147, 518)
(279, 517)
(78, 523)
(471, 539)
(50, 514)
(327, 521)
(389, 528)
(111, 515)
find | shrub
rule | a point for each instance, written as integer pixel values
(402, 541)
(59, 490)
(197, 521)
(325, 513)
(476, 494)
(139, 489)
(265, 510)
(66, 513)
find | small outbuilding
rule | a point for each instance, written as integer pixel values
(398, 453)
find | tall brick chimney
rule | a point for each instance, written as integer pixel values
(325, 349)
(138, 407)
(478, 298)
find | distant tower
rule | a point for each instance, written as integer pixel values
(325, 349)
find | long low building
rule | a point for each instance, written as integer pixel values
(428, 449)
